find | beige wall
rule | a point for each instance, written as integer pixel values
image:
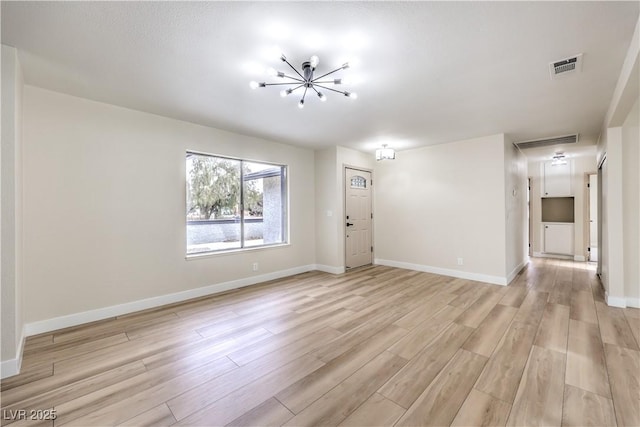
(440, 203)
(104, 206)
(582, 166)
(11, 212)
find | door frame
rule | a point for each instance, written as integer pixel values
(601, 208)
(529, 218)
(343, 225)
(587, 215)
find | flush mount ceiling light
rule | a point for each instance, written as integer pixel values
(385, 153)
(306, 80)
(558, 159)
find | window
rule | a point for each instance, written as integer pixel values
(234, 204)
(358, 182)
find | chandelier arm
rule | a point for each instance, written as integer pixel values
(294, 69)
(324, 82)
(292, 78)
(296, 88)
(325, 75)
(328, 88)
(305, 93)
(280, 84)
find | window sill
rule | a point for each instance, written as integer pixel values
(192, 257)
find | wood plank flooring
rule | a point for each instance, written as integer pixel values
(377, 346)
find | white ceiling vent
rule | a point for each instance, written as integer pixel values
(556, 140)
(565, 66)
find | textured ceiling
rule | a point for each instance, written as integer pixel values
(425, 72)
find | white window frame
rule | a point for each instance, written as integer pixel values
(285, 207)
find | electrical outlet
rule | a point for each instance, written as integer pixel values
(460, 261)
(255, 266)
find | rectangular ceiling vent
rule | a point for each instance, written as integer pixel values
(567, 139)
(565, 66)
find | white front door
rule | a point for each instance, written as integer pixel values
(358, 247)
(593, 217)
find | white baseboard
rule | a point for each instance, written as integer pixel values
(329, 269)
(496, 280)
(11, 367)
(633, 302)
(75, 319)
(556, 256)
(516, 270)
(559, 256)
(615, 301)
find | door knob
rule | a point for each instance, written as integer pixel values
(348, 224)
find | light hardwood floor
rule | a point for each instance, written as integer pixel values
(375, 346)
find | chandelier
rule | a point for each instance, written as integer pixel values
(305, 81)
(385, 153)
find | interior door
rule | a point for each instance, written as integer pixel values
(358, 249)
(593, 217)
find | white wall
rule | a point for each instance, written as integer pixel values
(11, 212)
(104, 207)
(516, 232)
(613, 238)
(631, 203)
(440, 203)
(327, 212)
(618, 142)
(330, 226)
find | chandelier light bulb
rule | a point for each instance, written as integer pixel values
(314, 60)
(322, 97)
(253, 85)
(284, 93)
(301, 104)
(272, 71)
(345, 65)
